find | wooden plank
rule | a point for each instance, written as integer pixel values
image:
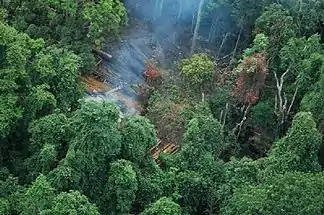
(93, 84)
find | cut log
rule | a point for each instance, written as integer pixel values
(93, 84)
(113, 90)
(102, 54)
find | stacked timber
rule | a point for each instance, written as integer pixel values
(160, 148)
(93, 85)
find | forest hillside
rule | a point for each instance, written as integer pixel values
(161, 107)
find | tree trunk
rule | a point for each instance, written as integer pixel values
(102, 54)
(213, 28)
(222, 44)
(180, 10)
(237, 41)
(161, 7)
(194, 39)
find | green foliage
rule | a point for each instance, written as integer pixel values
(95, 144)
(245, 12)
(313, 101)
(3, 15)
(150, 189)
(260, 43)
(65, 176)
(242, 172)
(34, 79)
(297, 50)
(138, 136)
(9, 113)
(278, 25)
(163, 206)
(218, 102)
(48, 143)
(41, 199)
(40, 99)
(165, 114)
(79, 26)
(43, 161)
(38, 197)
(304, 16)
(105, 18)
(292, 193)
(222, 106)
(59, 68)
(263, 114)
(303, 58)
(199, 173)
(12, 70)
(96, 134)
(72, 202)
(192, 188)
(199, 110)
(198, 70)
(298, 150)
(310, 71)
(4, 206)
(121, 187)
(10, 193)
(51, 129)
(252, 61)
(205, 134)
(238, 174)
(74, 156)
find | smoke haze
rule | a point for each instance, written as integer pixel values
(160, 30)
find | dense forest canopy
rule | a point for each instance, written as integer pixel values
(241, 97)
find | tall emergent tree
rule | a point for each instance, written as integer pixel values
(298, 150)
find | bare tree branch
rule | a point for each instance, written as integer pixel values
(284, 107)
(292, 101)
(225, 115)
(283, 75)
(281, 108)
(239, 125)
(221, 116)
(276, 102)
(222, 44)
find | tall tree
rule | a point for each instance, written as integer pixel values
(37, 197)
(121, 187)
(72, 202)
(77, 25)
(313, 100)
(276, 23)
(11, 193)
(138, 136)
(205, 134)
(291, 194)
(307, 15)
(95, 144)
(198, 70)
(48, 143)
(298, 150)
(300, 61)
(34, 81)
(163, 206)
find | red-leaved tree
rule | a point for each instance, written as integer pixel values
(252, 73)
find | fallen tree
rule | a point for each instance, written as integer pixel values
(102, 54)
